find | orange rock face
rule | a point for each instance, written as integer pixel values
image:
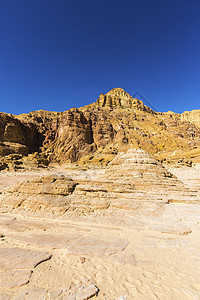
(97, 132)
(16, 137)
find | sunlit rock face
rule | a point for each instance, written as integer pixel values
(16, 136)
(192, 116)
(118, 98)
(95, 133)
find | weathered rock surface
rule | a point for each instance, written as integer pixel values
(14, 278)
(133, 181)
(73, 138)
(14, 162)
(17, 140)
(18, 259)
(192, 116)
(16, 267)
(189, 176)
(17, 137)
(47, 193)
(86, 293)
(117, 122)
(32, 294)
(94, 134)
(76, 292)
(118, 98)
(47, 240)
(96, 245)
(158, 254)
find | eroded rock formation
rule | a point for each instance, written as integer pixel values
(47, 193)
(118, 98)
(133, 181)
(17, 137)
(192, 116)
(97, 132)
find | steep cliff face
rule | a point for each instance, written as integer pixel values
(97, 132)
(192, 116)
(117, 122)
(73, 139)
(16, 136)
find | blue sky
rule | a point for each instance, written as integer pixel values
(58, 54)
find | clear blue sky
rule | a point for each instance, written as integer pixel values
(58, 54)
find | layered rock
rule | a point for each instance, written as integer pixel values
(133, 181)
(73, 138)
(95, 133)
(14, 162)
(46, 122)
(44, 194)
(16, 267)
(117, 122)
(192, 116)
(118, 98)
(17, 137)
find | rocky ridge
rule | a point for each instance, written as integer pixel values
(95, 133)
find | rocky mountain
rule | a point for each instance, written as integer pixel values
(97, 132)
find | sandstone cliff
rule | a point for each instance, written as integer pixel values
(192, 116)
(97, 132)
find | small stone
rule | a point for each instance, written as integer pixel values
(82, 259)
(87, 293)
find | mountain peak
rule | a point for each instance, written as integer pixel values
(119, 98)
(119, 92)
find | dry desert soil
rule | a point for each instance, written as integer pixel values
(112, 253)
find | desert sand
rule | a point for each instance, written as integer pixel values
(114, 254)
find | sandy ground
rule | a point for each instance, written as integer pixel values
(137, 258)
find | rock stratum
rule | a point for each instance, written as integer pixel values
(133, 181)
(95, 133)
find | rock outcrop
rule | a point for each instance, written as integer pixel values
(133, 181)
(74, 137)
(95, 133)
(14, 162)
(17, 137)
(192, 116)
(44, 194)
(116, 122)
(118, 98)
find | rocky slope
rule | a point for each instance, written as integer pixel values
(97, 132)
